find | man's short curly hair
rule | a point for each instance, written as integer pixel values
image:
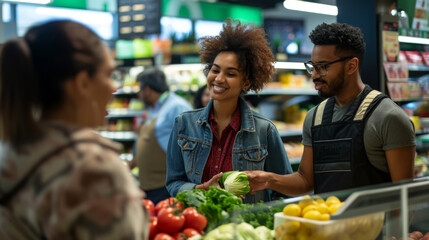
(347, 39)
(255, 58)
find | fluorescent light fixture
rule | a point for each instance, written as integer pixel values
(6, 12)
(311, 7)
(83, 15)
(30, 1)
(184, 67)
(416, 40)
(289, 65)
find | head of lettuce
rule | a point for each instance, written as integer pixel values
(235, 182)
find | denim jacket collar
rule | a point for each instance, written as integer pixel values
(247, 120)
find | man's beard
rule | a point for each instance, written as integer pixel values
(333, 87)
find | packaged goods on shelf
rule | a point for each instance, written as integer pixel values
(421, 166)
(290, 80)
(414, 57)
(294, 149)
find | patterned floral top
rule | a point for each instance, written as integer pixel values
(78, 189)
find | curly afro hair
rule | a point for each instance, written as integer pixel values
(347, 39)
(255, 58)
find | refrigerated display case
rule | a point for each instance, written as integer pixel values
(386, 211)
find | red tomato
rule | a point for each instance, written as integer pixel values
(169, 202)
(195, 220)
(190, 232)
(179, 236)
(163, 236)
(153, 227)
(170, 220)
(148, 204)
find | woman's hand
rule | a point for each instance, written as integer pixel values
(258, 180)
(214, 181)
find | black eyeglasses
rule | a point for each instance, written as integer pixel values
(322, 68)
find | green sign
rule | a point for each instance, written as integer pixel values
(211, 11)
(96, 5)
(80, 4)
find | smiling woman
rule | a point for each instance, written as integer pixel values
(227, 135)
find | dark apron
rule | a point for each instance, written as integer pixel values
(339, 156)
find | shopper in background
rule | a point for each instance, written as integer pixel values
(226, 135)
(161, 108)
(357, 136)
(202, 97)
(58, 178)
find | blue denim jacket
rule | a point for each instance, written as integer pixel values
(257, 146)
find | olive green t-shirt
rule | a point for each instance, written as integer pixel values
(388, 127)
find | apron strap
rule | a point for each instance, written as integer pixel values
(319, 113)
(365, 104)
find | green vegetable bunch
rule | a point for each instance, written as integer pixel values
(215, 204)
(258, 214)
(242, 231)
(235, 182)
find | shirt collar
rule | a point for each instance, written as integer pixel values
(247, 121)
(235, 120)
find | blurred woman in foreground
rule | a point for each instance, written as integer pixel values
(58, 178)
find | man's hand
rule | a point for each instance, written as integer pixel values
(258, 180)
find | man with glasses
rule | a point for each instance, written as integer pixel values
(356, 136)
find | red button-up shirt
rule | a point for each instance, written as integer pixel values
(220, 158)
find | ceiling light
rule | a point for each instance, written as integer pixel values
(311, 7)
(184, 67)
(289, 65)
(30, 1)
(416, 40)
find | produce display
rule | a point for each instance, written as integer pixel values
(214, 204)
(310, 219)
(416, 235)
(242, 231)
(170, 220)
(221, 207)
(216, 214)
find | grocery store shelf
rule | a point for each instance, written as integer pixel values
(127, 90)
(292, 65)
(123, 113)
(193, 88)
(411, 100)
(422, 131)
(417, 67)
(149, 61)
(126, 156)
(415, 40)
(119, 135)
(285, 91)
(290, 132)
